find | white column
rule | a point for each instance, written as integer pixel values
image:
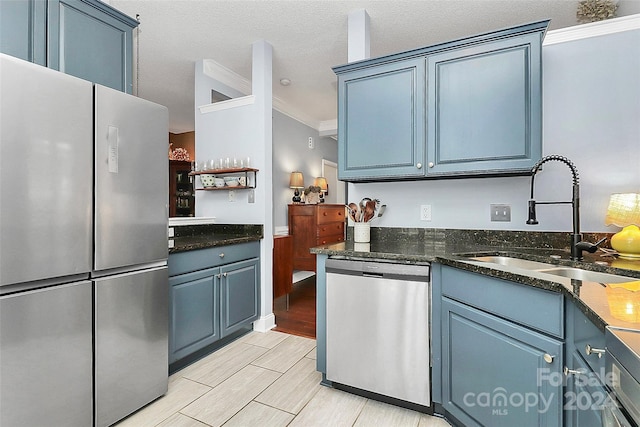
(358, 36)
(263, 91)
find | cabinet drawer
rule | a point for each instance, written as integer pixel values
(184, 262)
(327, 240)
(328, 214)
(330, 229)
(527, 305)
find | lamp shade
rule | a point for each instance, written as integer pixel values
(322, 183)
(624, 209)
(296, 180)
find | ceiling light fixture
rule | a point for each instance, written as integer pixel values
(285, 81)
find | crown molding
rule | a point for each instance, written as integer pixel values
(592, 29)
(225, 76)
(229, 103)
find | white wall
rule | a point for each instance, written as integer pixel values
(291, 153)
(243, 131)
(591, 114)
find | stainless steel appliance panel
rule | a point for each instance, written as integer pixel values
(131, 342)
(132, 178)
(46, 357)
(46, 173)
(378, 328)
(622, 362)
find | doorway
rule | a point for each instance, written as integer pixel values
(336, 188)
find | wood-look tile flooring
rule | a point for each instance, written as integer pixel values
(266, 379)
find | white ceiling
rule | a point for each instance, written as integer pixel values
(308, 38)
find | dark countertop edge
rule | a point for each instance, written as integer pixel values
(182, 244)
(457, 260)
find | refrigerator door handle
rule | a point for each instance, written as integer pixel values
(112, 138)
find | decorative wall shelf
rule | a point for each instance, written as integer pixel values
(246, 172)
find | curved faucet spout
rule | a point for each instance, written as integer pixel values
(576, 237)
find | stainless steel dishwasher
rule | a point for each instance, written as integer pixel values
(378, 327)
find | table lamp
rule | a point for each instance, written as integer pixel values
(296, 181)
(624, 211)
(324, 187)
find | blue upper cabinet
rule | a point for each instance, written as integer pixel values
(381, 121)
(470, 107)
(23, 30)
(84, 38)
(484, 106)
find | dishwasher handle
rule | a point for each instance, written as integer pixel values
(376, 269)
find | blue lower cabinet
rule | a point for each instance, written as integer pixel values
(195, 312)
(498, 373)
(585, 395)
(240, 295)
(214, 292)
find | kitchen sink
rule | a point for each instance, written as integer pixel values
(553, 269)
(586, 275)
(514, 262)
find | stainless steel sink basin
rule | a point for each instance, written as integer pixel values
(586, 275)
(553, 269)
(514, 262)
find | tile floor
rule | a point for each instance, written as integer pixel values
(265, 379)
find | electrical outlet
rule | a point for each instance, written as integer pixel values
(425, 212)
(501, 213)
(232, 196)
(311, 143)
(252, 196)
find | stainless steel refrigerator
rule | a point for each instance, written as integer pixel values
(83, 276)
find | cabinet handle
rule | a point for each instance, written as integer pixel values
(221, 254)
(219, 276)
(568, 371)
(224, 274)
(419, 165)
(431, 164)
(548, 358)
(590, 350)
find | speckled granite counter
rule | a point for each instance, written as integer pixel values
(454, 247)
(187, 238)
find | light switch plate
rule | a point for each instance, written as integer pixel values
(501, 213)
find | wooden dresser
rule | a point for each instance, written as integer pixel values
(314, 225)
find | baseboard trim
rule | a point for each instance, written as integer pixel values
(265, 323)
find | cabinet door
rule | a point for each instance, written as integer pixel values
(484, 105)
(381, 121)
(494, 372)
(240, 294)
(585, 396)
(23, 26)
(194, 312)
(90, 40)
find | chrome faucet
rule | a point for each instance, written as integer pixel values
(577, 245)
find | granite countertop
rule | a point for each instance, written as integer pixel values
(188, 238)
(454, 248)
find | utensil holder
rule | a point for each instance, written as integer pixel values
(362, 232)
